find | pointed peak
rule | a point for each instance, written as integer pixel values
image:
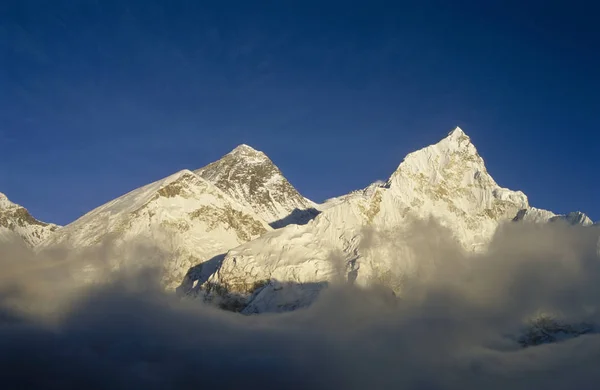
(244, 149)
(457, 136)
(455, 149)
(5, 202)
(246, 154)
(457, 132)
(578, 218)
(457, 139)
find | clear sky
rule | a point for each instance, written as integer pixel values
(100, 97)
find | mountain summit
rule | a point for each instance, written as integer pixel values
(251, 178)
(194, 217)
(450, 179)
(447, 181)
(247, 150)
(184, 216)
(213, 228)
(16, 220)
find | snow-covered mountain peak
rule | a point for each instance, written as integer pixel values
(450, 179)
(4, 202)
(458, 140)
(185, 216)
(251, 178)
(452, 156)
(578, 218)
(245, 148)
(248, 155)
(15, 219)
(453, 164)
(457, 133)
(535, 215)
(454, 141)
(447, 181)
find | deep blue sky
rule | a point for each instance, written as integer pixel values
(100, 97)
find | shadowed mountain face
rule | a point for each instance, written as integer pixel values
(251, 178)
(296, 217)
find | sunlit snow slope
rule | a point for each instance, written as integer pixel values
(213, 229)
(447, 181)
(184, 216)
(16, 222)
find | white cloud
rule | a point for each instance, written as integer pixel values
(453, 328)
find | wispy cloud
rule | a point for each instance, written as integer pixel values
(451, 328)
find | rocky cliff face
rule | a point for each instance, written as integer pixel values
(251, 178)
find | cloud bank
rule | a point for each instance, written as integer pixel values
(454, 326)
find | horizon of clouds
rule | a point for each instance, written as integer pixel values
(455, 323)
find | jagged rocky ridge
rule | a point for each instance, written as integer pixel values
(184, 218)
(193, 218)
(285, 269)
(251, 178)
(534, 214)
(17, 223)
(213, 228)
